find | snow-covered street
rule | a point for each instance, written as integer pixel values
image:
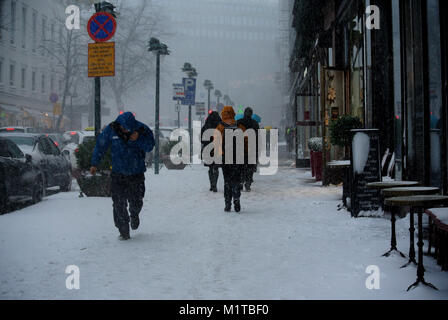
(289, 242)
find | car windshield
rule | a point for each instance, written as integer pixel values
(23, 141)
(88, 139)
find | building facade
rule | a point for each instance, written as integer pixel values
(391, 73)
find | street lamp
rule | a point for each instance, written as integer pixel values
(218, 95)
(104, 6)
(191, 73)
(209, 86)
(159, 49)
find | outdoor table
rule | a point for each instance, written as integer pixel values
(381, 185)
(419, 204)
(345, 165)
(405, 192)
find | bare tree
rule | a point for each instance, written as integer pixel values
(68, 48)
(133, 64)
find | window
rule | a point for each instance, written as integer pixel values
(44, 34)
(52, 83)
(42, 84)
(60, 36)
(1, 70)
(34, 30)
(52, 147)
(12, 74)
(52, 37)
(4, 152)
(12, 30)
(23, 78)
(2, 2)
(33, 80)
(24, 27)
(14, 150)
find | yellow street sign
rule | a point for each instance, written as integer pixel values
(101, 59)
(57, 109)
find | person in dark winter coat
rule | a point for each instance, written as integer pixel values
(232, 171)
(249, 169)
(213, 120)
(129, 141)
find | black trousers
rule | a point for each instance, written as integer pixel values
(232, 181)
(213, 175)
(127, 190)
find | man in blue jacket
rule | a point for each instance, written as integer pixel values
(129, 141)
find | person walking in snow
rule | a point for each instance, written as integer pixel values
(232, 171)
(249, 168)
(212, 122)
(129, 141)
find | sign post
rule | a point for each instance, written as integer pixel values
(178, 95)
(190, 100)
(101, 28)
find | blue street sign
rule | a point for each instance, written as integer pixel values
(101, 26)
(190, 91)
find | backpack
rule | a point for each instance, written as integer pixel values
(228, 127)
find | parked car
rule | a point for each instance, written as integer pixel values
(48, 158)
(57, 138)
(20, 179)
(74, 139)
(18, 130)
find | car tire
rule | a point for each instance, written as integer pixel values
(38, 191)
(67, 186)
(3, 199)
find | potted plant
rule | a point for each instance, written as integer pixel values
(315, 146)
(340, 134)
(93, 185)
(166, 158)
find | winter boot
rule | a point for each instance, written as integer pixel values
(247, 185)
(124, 233)
(237, 205)
(228, 207)
(135, 222)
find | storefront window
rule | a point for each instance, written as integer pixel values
(356, 67)
(435, 91)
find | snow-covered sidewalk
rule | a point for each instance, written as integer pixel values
(289, 242)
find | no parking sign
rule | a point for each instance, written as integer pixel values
(101, 27)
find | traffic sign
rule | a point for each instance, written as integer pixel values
(54, 98)
(190, 92)
(200, 108)
(178, 91)
(101, 27)
(57, 109)
(101, 59)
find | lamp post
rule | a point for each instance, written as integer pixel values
(159, 49)
(218, 95)
(191, 73)
(209, 86)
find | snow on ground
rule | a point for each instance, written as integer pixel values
(289, 242)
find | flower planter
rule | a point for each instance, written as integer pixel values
(313, 173)
(94, 186)
(317, 165)
(170, 165)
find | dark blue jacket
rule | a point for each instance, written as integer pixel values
(128, 157)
